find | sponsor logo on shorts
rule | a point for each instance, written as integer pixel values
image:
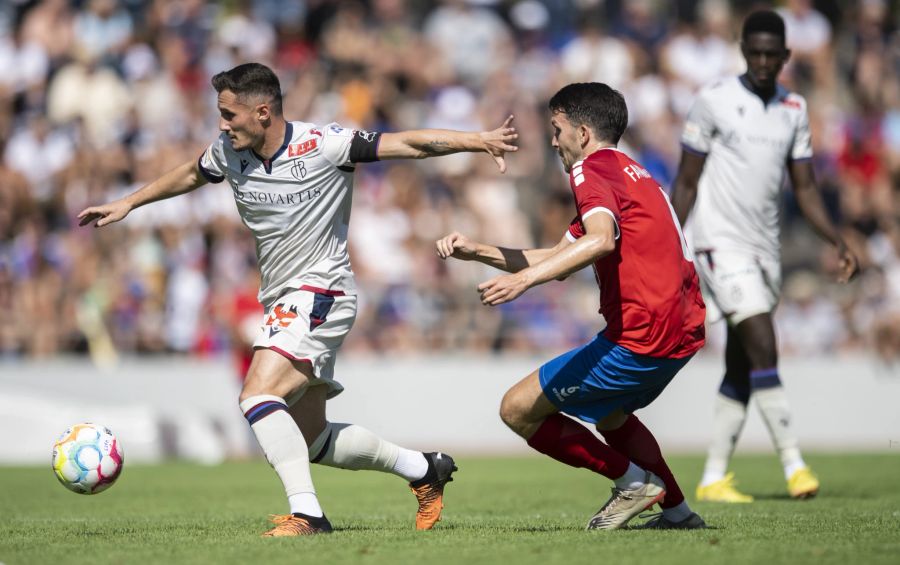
(563, 394)
(280, 318)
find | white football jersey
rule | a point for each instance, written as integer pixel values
(747, 144)
(297, 204)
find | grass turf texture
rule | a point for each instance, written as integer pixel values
(512, 511)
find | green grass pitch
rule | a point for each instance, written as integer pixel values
(499, 510)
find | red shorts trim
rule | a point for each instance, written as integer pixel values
(283, 353)
(322, 290)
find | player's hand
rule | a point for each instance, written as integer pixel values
(500, 141)
(504, 288)
(456, 245)
(105, 213)
(848, 264)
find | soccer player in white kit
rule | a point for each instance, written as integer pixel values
(292, 183)
(738, 138)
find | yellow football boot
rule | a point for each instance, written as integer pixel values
(803, 484)
(722, 491)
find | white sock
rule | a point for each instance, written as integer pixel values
(285, 449)
(775, 410)
(411, 465)
(791, 468)
(306, 503)
(728, 420)
(353, 447)
(633, 478)
(677, 513)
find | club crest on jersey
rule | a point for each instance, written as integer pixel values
(298, 170)
(280, 318)
(298, 149)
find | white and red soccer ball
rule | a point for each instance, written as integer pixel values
(87, 458)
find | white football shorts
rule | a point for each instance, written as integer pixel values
(309, 324)
(737, 286)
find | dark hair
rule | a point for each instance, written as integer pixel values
(595, 105)
(763, 21)
(250, 79)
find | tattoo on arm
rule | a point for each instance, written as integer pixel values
(437, 147)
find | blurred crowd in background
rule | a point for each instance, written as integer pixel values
(98, 97)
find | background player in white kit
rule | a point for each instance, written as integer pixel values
(739, 136)
(292, 183)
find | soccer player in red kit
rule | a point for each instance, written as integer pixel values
(650, 298)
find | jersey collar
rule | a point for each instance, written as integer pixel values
(777, 97)
(288, 135)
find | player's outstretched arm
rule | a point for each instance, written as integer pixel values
(598, 241)
(809, 200)
(458, 246)
(684, 189)
(424, 143)
(183, 178)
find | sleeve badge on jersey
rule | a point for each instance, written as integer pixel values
(691, 131)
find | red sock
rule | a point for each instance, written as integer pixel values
(635, 440)
(571, 443)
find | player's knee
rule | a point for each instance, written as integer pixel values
(259, 383)
(254, 387)
(764, 358)
(612, 421)
(245, 394)
(511, 410)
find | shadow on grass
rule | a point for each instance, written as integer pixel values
(772, 496)
(500, 528)
(640, 529)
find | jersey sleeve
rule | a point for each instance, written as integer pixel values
(576, 229)
(699, 127)
(212, 162)
(594, 195)
(343, 146)
(802, 148)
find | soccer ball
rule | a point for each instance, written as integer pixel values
(87, 458)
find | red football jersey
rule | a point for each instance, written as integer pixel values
(649, 290)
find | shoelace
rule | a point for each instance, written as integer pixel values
(605, 513)
(652, 519)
